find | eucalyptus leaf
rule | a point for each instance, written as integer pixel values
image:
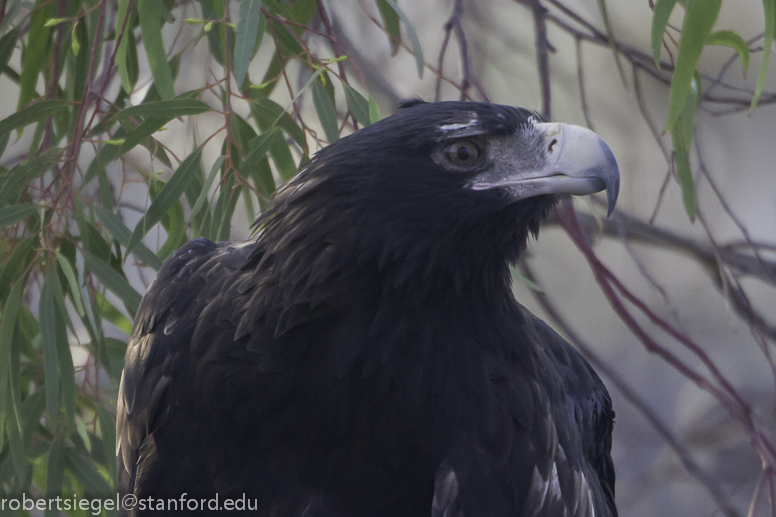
(391, 25)
(15, 213)
(245, 46)
(49, 334)
(113, 281)
(30, 114)
(698, 21)
(416, 50)
(166, 110)
(326, 112)
(769, 9)
(168, 196)
(126, 54)
(733, 40)
(358, 105)
(151, 28)
(662, 13)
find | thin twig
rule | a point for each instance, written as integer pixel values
(335, 48)
(79, 131)
(721, 389)
(542, 56)
(448, 27)
(581, 81)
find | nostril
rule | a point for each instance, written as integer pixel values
(552, 144)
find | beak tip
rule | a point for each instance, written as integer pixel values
(611, 178)
(612, 189)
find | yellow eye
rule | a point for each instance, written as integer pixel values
(462, 153)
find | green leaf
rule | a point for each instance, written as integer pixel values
(391, 25)
(264, 180)
(682, 135)
(32, 113)
(285, 41)
(113, 315)
(358, 105)
(302, 12)
(220, 226)
(282, 156)
(326, 112)
(113, 281)
(684, 173)
(663, 10)
(146, 128)
(30, 415)
(52, 22)
(49, 334)
(176, 230)
(769, 9)
(271, 76)
(15, 213)
(698, 21)
(166, 110)
(7, 328)
(55, 475)
(115, 350)
(75, 290)
(94, 484)
(416, 50)
(16, 446)
(733, 40)
(93, 241)
(259, 147)
(121, 234)
(77, 71)
(80, 428)
(216, 35)
(24, 173)
(64, 356)
(268, 114)
(690, 107)
(151, 29)
(242, 133)
(245, 46)
(374, 110)
(34, 56)
(168, 196)
(21, 257)
(7, 44)
(98, 169)
(107, 431)
(126, 53)
(205, 192)
(75, 45)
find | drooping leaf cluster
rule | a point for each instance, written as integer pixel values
(685, 95)
(95, 88)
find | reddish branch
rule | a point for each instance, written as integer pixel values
(721, 389)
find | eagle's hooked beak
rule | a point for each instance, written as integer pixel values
(576, 162)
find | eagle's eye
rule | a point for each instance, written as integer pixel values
(462, 153)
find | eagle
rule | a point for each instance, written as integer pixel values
(363, 354)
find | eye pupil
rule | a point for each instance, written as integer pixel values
(462, 153)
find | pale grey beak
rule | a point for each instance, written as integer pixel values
(576, 162)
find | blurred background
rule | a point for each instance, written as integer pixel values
(672, 298)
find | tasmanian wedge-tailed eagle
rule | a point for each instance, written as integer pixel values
(364, 355)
